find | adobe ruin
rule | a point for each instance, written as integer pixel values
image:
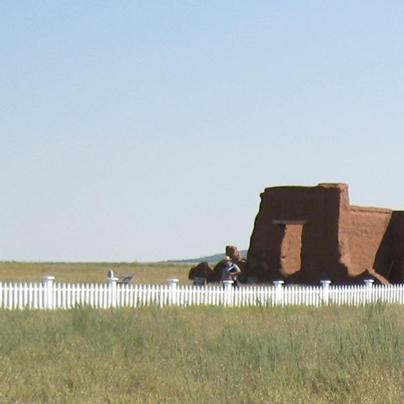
(308, 234)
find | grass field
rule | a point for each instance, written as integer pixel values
(195, 355)
(92, 272)
(203, 355)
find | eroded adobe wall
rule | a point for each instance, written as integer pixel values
(306, 234)
(317, 209)
(368, 233)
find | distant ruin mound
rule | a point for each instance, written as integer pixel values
(209, 258)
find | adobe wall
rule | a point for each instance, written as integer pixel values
(369, 237)
(316, 209)
(307, 234)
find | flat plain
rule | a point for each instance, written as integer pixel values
(156, 273)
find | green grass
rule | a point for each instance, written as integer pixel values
(203, 355)
(92, 272)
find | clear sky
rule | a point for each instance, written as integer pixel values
(146, 130)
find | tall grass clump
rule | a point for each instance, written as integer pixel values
(173, 355)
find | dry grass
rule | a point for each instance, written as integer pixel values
(195, 355)
(92, 272)
(203, 355)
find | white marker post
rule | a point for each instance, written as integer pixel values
(325, 291)
(278, 292)
(172, 285)
(369, 288)
(47, 282)
(112, 281)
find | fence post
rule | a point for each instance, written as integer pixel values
(278, 291)
(112, 290)
(47, 281)
(227, 284)
(325, 291)
(172, 285)
(369, 287)
(227, 289)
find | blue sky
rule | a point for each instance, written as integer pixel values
(146, 130)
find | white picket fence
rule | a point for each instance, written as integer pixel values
(51, 295)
